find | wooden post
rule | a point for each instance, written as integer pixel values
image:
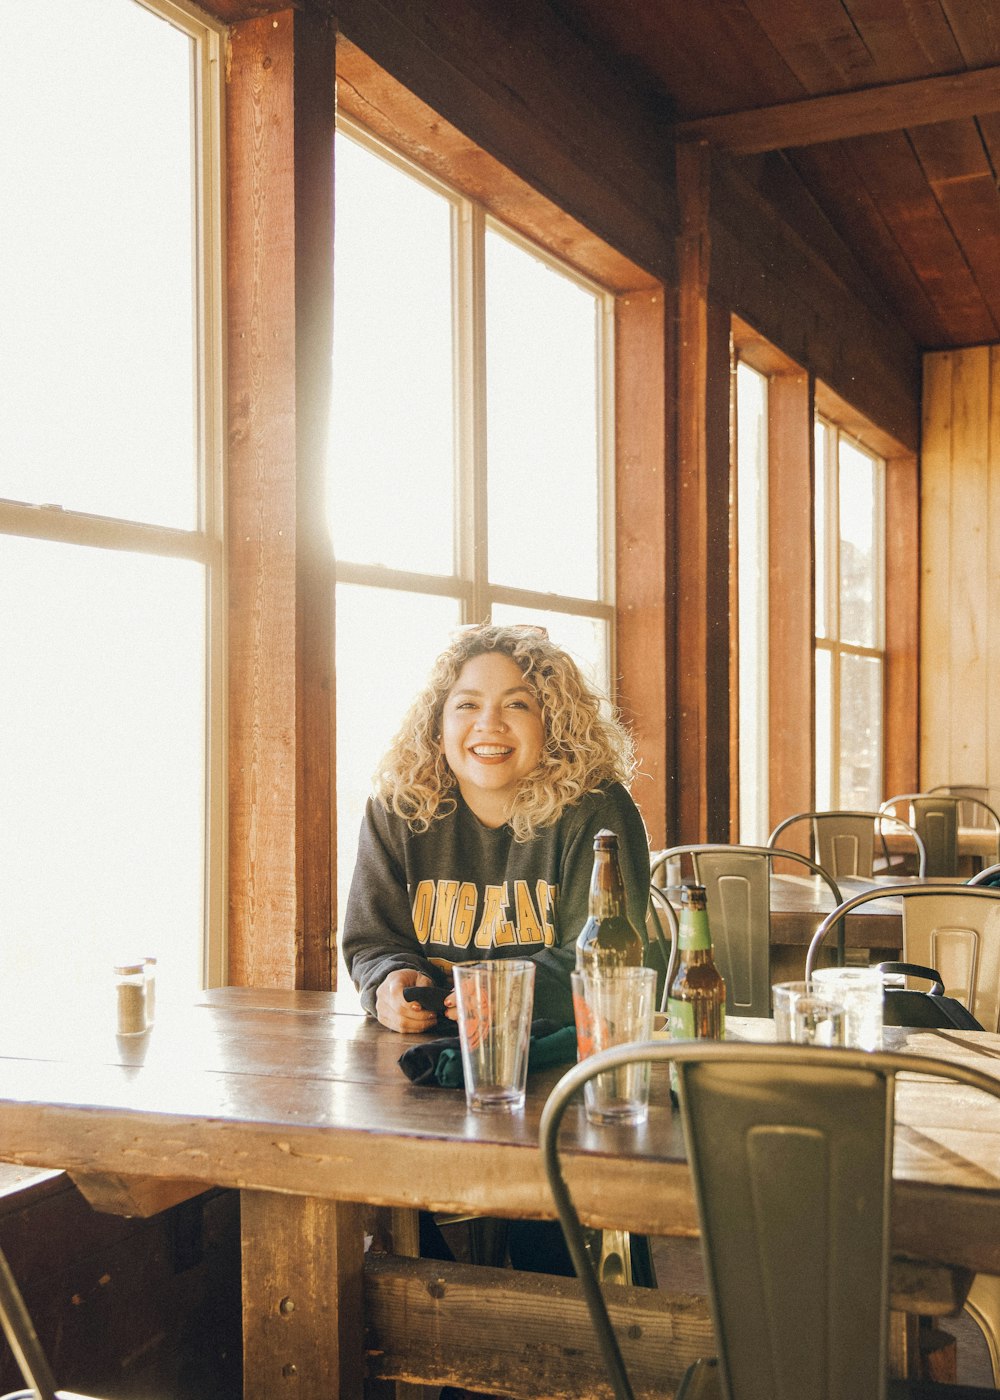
(280, 130)
(791, 600)
(302, 1257)
(645, 547)
(316, 814)
(702, 517)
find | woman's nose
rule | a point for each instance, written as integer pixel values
(491, 717)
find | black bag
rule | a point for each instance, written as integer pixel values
(904, 1006)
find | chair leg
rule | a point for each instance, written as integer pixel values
(701, 1381)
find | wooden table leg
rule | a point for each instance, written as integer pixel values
(303, 1297)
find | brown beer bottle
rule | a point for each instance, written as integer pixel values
(608, 938)
(696, 1001)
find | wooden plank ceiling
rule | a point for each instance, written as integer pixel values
(886, 111)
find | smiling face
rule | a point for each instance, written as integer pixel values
(491, 733)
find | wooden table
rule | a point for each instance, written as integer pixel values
(303, 1109)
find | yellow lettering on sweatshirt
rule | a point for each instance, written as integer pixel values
(447, 893)
(495, 929)
(465, 915)
(529, 928)
(545, 894)
(423, 907)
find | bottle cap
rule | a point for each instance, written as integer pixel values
(693, 894)
(129, 969)
(605, 840)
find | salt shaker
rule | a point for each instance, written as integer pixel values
(130, 988)
(150, 969)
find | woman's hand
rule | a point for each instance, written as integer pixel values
(394, 1011)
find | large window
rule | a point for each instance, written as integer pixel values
(850, 658)
(111, 767)
(471, 470)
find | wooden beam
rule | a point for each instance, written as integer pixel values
(644, 550)
(702, 519)
(791, 607)
(261, 500)
(838, 116)
(426, 1322)
(314, 127)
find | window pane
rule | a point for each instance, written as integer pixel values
(585, 638)
(542, 417)
(386, 644)
(102, 755)
(97, 354)
(392, 438)
(751, 487)
(860, 732)
(858, 591)
(824, 739)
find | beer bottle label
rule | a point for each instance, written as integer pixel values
(680, 1019)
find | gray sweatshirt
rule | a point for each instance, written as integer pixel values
(462, 891)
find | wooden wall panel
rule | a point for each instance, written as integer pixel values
(517, 80)
(960, 535)
(790, 293)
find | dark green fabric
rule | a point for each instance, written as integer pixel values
(440, 1061)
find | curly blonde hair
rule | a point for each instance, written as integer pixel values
(585, 747)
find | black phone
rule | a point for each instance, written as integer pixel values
(430, 998)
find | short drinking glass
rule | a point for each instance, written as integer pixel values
(806, 1016)
(861, 992)
(495, 1000)
(615, 1007)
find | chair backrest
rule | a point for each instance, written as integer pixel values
(935, 816)
(661, 932)
(791, 1157)
(989, 876)
(737, 886)
(954, 929)
(975, 804)
(844, 843)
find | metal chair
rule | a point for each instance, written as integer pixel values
(844, 842)
(737, 883)
(20, 1333)
(791, 1155)
(989, 876)
(972, 801)
(952, 928)
(660, 912)
(937, 816)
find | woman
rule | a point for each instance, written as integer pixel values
(478, 840)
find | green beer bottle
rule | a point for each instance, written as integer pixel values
(696, 1001)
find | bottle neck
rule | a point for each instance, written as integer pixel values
(607, 890)
(692, 931)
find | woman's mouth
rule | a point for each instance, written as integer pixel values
(491, 751)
